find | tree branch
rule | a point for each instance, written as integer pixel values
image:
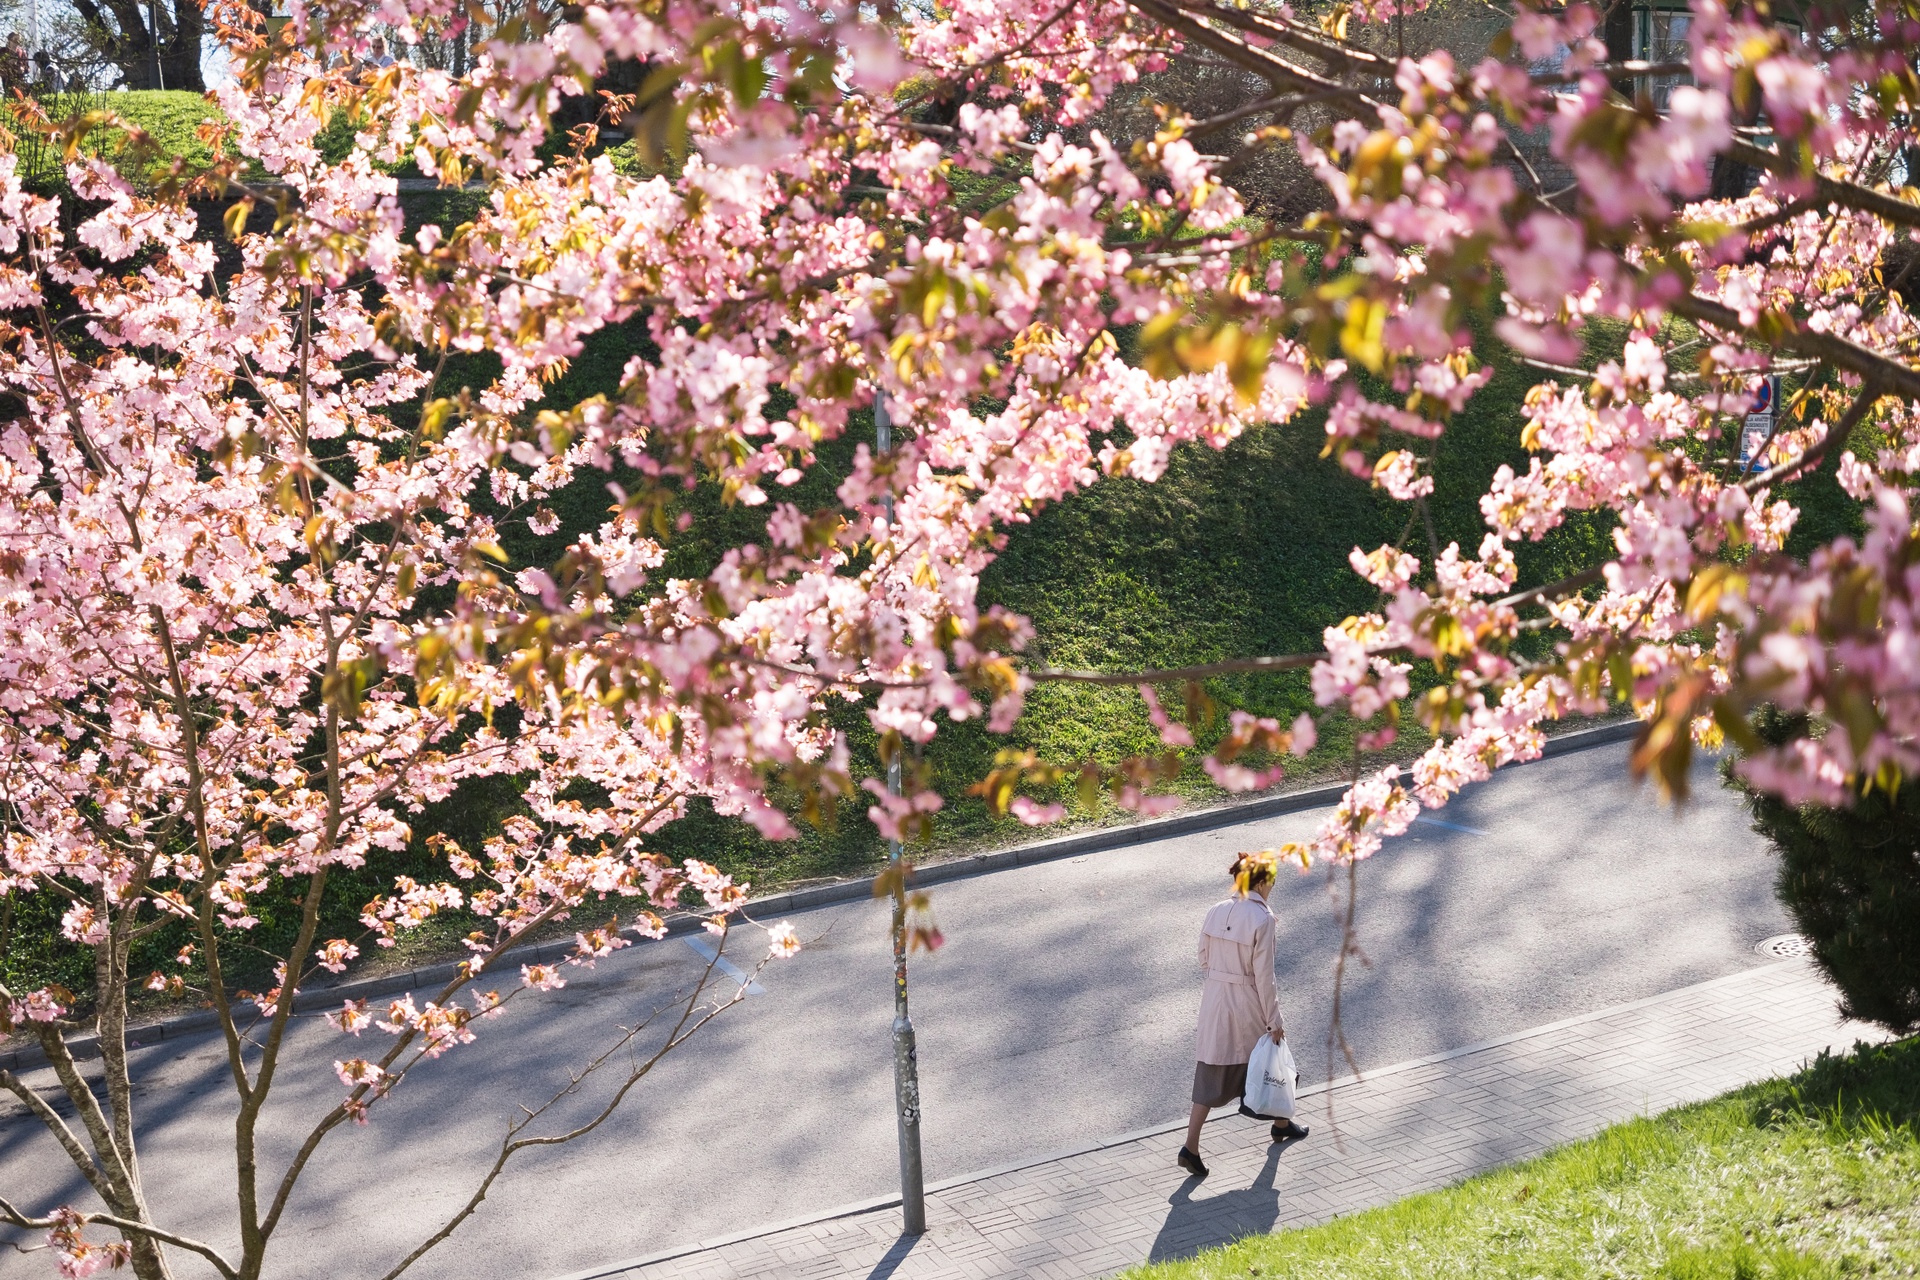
(65, 1136)
(1274, 70)
(1283, 105)
(1554, 590)
(334, 1118)
(126, 1226)
(512, 1144)
(1835, 350)
(1339, 55)
(1851, 194)
(112, 1164)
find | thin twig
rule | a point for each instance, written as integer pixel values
(1283, 105)
(512, 1143)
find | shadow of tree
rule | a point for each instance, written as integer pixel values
(1874, 1084)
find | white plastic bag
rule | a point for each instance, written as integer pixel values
(1271, 1077)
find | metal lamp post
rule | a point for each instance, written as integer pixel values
(906, 1060)
(153, 44)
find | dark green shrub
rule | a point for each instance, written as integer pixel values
(1850, 878)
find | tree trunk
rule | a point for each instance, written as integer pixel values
(1616, 29)
(182, 30)
(1732, 179)
(181, 65)
(110, 1025)
(147, 1261)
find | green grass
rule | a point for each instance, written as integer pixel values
(173, 118)
(1812, 1178)
(1233, 552)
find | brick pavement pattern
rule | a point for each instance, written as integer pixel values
(1407, 1128)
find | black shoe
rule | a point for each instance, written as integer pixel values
(1289, 1131)
(1191, 1163)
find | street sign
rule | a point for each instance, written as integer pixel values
(1758, 427)
(1753, 438)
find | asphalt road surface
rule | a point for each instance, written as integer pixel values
(1059, 1012)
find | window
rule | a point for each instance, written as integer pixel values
(1660, 36)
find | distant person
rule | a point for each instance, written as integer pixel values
(1239, 1004)
(377, 59)
(14, 65)
(46, 75)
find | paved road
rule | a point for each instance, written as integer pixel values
(1060, 1011)
(1411, 1127)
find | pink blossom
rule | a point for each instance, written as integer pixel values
(242, 488)
(782, 942)
(77, 1257)
(351, 1017)
(37, 1006)
(358, 1071)
(541, 977)
(334, 956)
(83, 925)
(1546, 265)
(1034, 814)
(1172, 733)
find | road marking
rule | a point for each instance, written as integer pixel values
(1451, 826)
(725, 965)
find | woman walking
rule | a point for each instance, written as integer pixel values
(1239, 1004)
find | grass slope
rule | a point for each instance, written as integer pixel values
(1233, 552)
(1812, 1178)
(172, 116)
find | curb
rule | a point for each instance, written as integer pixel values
(1117, 837)
(609, 1269)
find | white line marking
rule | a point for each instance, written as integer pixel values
(725, 965)
(1451, 826)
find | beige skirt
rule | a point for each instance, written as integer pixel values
(1216, 1084)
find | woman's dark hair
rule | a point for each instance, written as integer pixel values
(1252, 869)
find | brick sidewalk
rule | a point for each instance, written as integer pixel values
(1405, 1128)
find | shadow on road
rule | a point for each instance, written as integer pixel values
(1193, 1225)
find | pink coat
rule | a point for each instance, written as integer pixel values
(1239, 1003)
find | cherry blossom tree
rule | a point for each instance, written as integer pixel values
(256, 616)
(244, 655)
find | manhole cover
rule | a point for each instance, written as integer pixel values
(1787, 946)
